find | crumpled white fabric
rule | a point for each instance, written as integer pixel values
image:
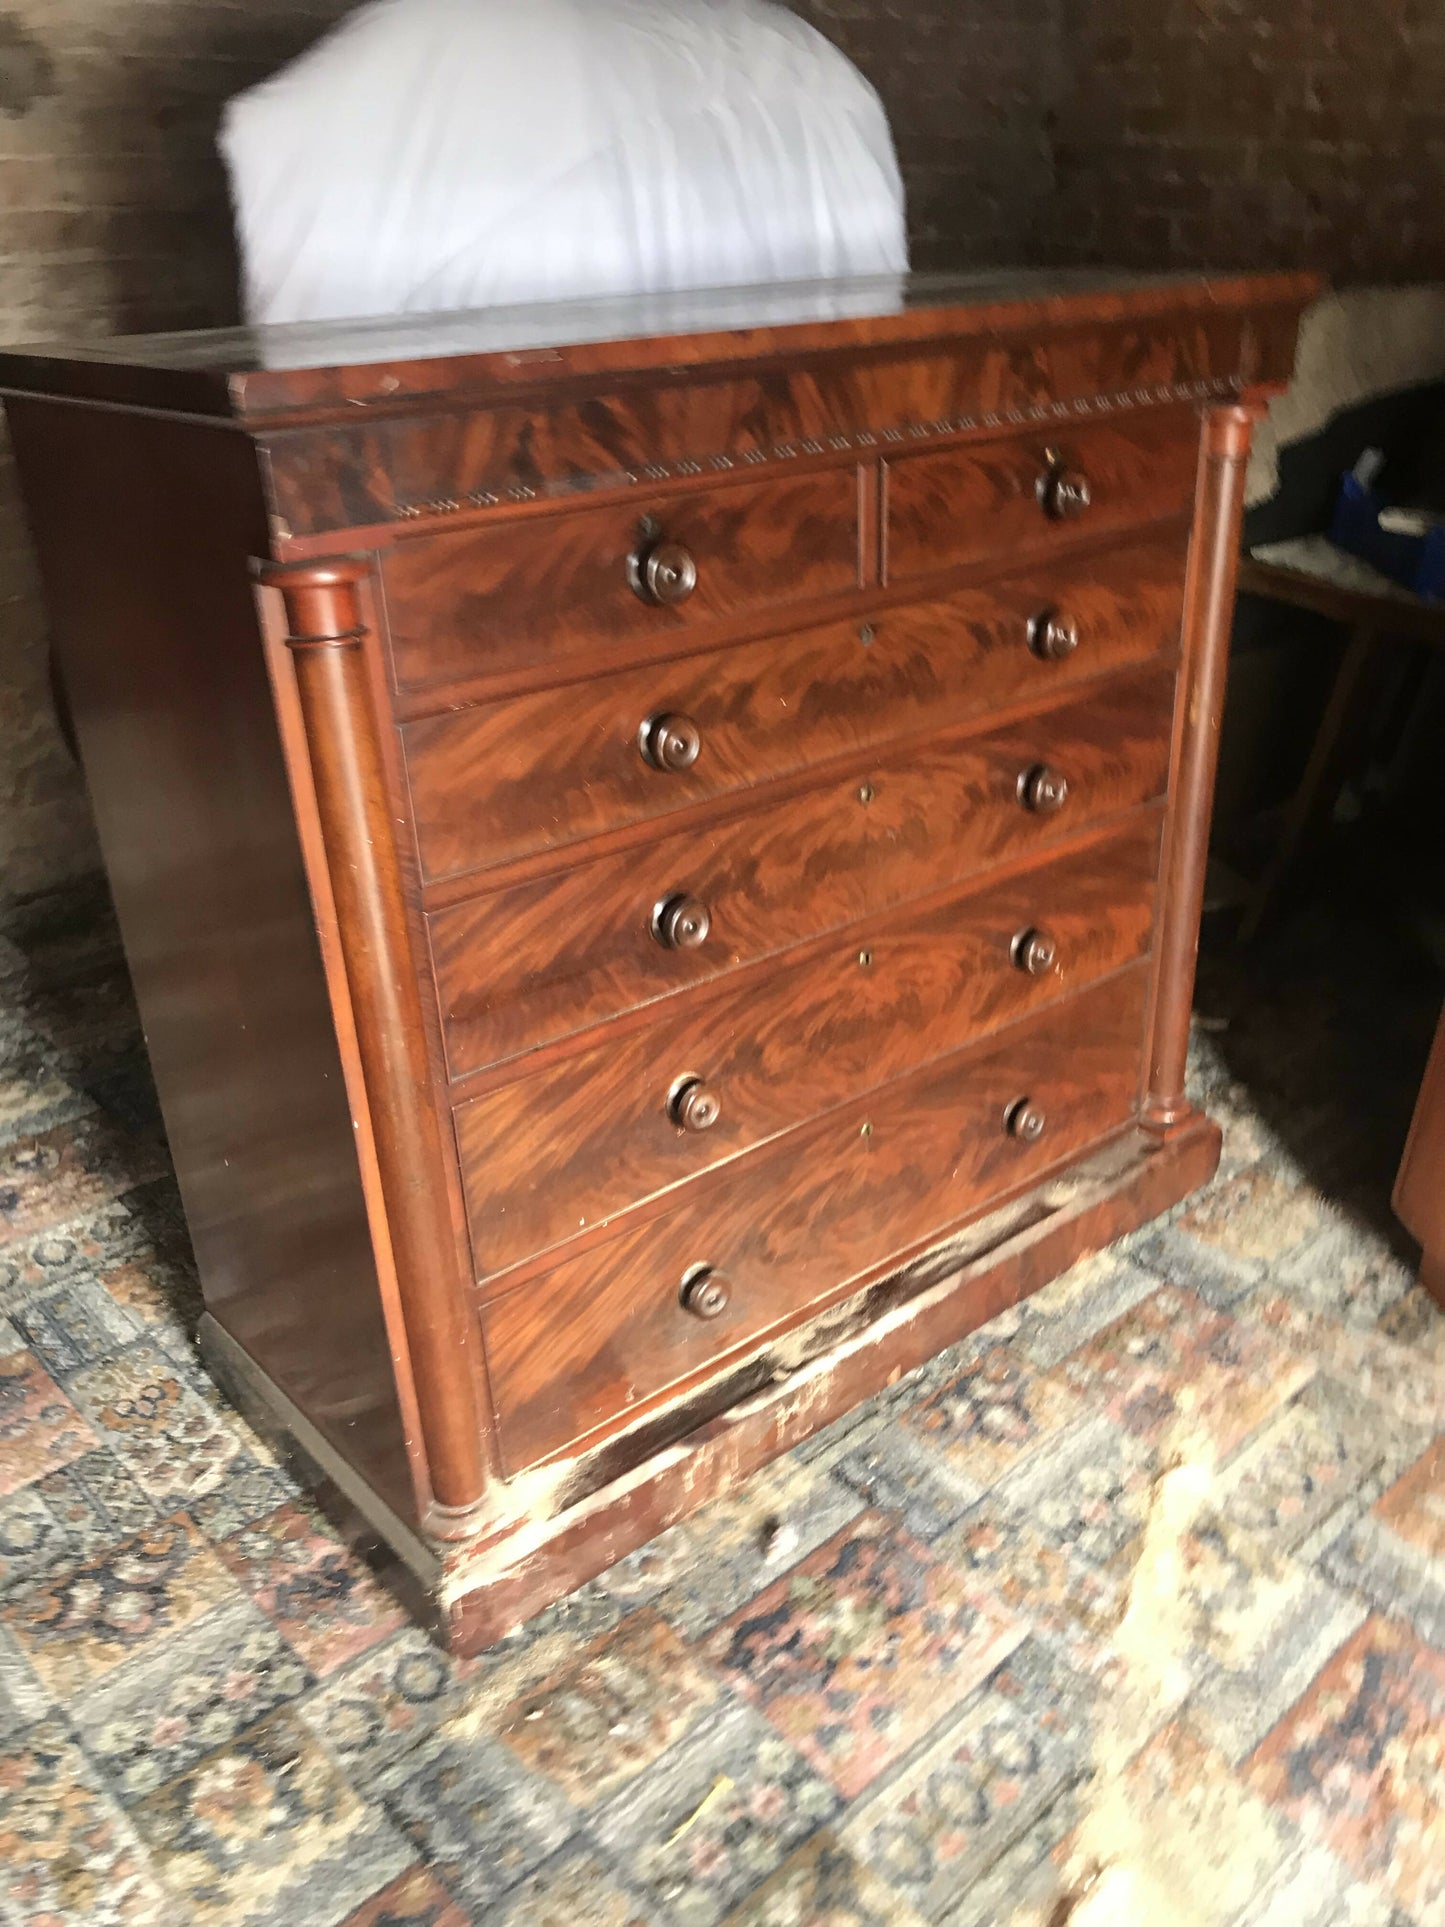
(435, 155)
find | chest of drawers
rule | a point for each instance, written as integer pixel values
(660, 848)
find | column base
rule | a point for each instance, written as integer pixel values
(475, 1592)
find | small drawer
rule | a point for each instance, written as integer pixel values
(614, 1125)
(543, 593)
(500, 780)
(545, 959)
(610, 1331)
(1031, 491)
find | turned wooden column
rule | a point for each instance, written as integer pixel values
(326, 637)
(1208, 618)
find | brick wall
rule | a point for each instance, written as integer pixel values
(113, 215)
(970, 87)
(1149, 132)
(1253, 133)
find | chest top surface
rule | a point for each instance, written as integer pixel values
(252, 374)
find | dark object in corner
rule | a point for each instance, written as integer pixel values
(1312, 701)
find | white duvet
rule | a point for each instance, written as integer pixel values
(433, 155)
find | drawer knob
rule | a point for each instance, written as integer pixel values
(1043, 790)
(1034, 952)
(1024, 1120)
(1052, 636)
(681, 923)
(705, 1292)
(665, 574)
(672, 743)
(693, 1106)
(1064, 493)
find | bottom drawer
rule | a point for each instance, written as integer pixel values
(591, 1343)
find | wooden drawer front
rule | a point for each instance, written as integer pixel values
(604, 1333)
(504, 779)
(537, 594)
(546, 958)
(962, 504)
(590, 1135)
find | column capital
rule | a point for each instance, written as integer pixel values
(322, 608)
(1229, 429)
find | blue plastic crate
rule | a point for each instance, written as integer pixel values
(1414, 561)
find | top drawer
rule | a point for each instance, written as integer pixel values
(958, 505)
(533, 595)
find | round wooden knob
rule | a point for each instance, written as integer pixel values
(1024, 1120)
(1063, 493)
(665, 574)
(681, 923)
(1043, 790)
(693, 1106)
(1052, 636)
(671, 742)
(705, 1292)
(1034, 952)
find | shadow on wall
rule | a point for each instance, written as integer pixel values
(27, 72)
(114, 217)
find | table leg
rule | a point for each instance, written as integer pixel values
(1320, 784)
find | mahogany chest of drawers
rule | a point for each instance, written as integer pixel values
(660, 847)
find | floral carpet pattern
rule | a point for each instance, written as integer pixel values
(1129, 1609)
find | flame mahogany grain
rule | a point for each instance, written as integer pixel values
(488, 784)
(543, 959)
(704, 1442)
(388, 893)
(534, 596)
(958, 505)
(581, 1140)
(792, 1226)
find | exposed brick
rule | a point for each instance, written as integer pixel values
(1312, 126)
(1146, 132)
(983, 75)
(113, 214)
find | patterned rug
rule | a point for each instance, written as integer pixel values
(1131, 1609)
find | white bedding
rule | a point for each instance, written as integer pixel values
(433, 155)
